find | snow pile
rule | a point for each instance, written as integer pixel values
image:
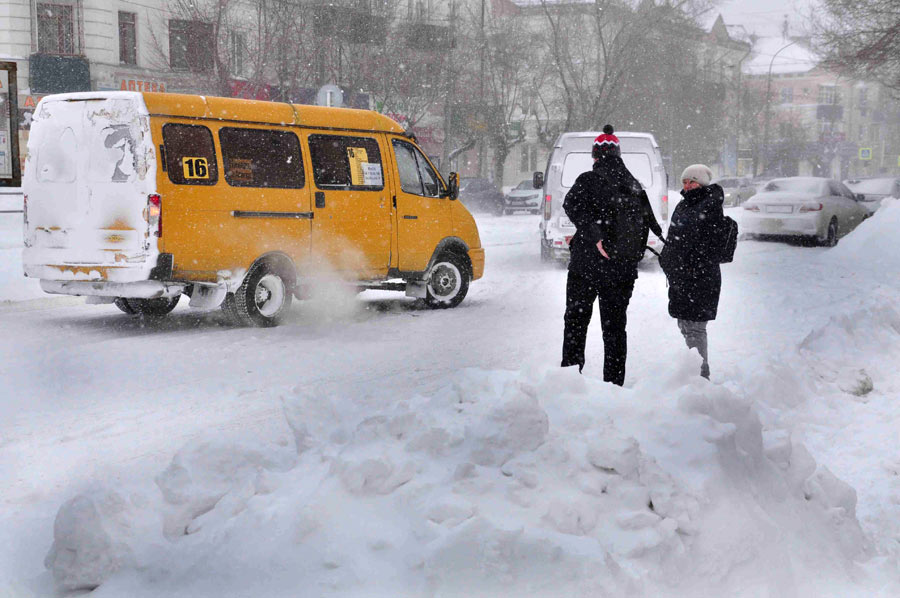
(872, 245)
(536, 483)
(856, 351)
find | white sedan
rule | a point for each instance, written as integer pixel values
(824, 209)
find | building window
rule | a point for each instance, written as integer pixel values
(787, 95)
(236, 49)
(827, 94)
(191, 45)
(56, 29)
(127, 38)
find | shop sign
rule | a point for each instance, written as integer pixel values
(141, 85)
(27, 104)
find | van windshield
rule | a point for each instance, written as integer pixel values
(579, 162)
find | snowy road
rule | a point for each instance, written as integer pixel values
(87, 393)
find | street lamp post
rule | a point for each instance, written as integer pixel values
(737, 123)
(765, 143)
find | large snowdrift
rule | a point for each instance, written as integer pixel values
(536, 483)
(873, 245)
(542, 482)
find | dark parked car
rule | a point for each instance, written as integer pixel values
(874, 190)
(524, 197)
(481, 195)
(737, 189)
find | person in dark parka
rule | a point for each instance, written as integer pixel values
(612, 217)
(689, 258)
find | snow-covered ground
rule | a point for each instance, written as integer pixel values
(370, 448)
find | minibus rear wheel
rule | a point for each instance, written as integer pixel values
(448, 281)
(264, 297)
(122, 304)
(153, 308)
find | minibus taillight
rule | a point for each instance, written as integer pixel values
(547, 206)
(154, 213)
(664, 209)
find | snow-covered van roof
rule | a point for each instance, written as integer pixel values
(276, 113)
(594, 134)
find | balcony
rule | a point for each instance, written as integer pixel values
(51, 73)
(353, 25)
(830, 112)
(429, 35)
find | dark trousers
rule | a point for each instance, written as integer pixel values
(613, 293)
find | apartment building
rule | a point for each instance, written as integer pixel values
(820, 122)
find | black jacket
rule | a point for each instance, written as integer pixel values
(689, 257)
(596, 204)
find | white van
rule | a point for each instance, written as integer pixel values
(570, 157)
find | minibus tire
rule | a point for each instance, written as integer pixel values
(231, 312)
(453, 284)
(153, 308)
(122, 304)
(263, 278)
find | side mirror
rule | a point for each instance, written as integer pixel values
(537, 180)
(859, 197)
(453, 186)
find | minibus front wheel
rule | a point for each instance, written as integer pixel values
(448, 281)
(263, 298)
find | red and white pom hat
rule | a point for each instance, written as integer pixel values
(607, 143)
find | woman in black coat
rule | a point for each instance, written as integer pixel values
(690, 258)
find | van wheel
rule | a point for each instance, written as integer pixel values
(545, 254)
(264, 297)
(152, 307)
(122, 304)
(448, 282)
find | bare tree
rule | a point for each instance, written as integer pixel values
(507, 64)
(216, 36)
(862, 38)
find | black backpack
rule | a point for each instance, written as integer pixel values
(728, 241)
(630, 230)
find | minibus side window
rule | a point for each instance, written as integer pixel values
(416, 174)
(344, 162)
(261, 158)
(410, 180)
(429, 177)
(190, 154)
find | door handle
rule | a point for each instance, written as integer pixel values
(320, 199)
(410, 217)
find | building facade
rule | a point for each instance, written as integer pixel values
(821, 123)
(356, 49)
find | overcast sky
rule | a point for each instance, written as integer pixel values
(764, 17)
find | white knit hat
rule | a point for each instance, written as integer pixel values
(699, 173)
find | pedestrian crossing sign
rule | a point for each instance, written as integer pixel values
(865, 153)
